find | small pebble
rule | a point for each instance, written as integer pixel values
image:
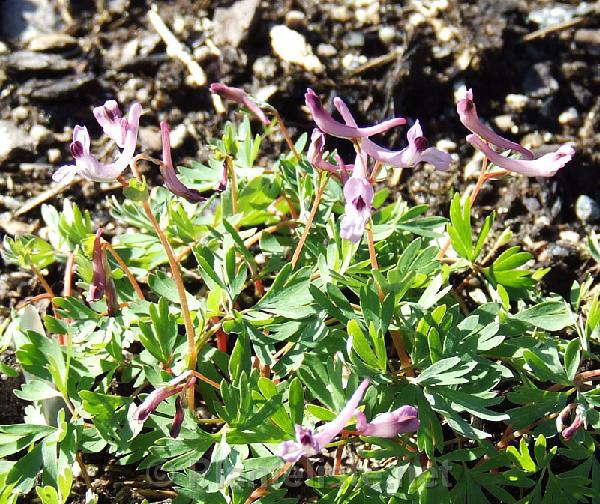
(387, 34)
(39, 134)
(326, 50)
(570, 236)
(49, 42)
(340, 13)
(20, 113)
(295, 19)
(446, 145)
(516, 102)
(569, 116)
(54, 155)
(354, 39)
(504, 122)
(178, 135)
(265, 67)
(353, 61)
(587, 209)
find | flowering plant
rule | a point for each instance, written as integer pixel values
(243, 321)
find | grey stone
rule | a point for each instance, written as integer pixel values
(14, 139)
(52, 42)
(56, 90)
(34, 62)
(539, 81)
(26, 19)
(587, 209)
(231, 23)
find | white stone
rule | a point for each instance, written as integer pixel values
(292, 47)
(387, 34)
(354, 39)
(353, 61)
(569, 116)
(516, 102)
(326, 50)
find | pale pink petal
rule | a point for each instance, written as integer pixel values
(544, 166)
(239, 96)
(468, 116)
(64, 173)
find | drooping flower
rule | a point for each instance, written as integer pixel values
(468, 116)
(315, 152)
(358, 192)
(390, 424)
(172, 387)
(102, 283)
(221, 185)
(177, 418)
(167, 170)
(327, 124)
(416, 152)
(87, 166)
(239, 96)
(309, 442)
(578, 422)
(544, 166)
(112, 122)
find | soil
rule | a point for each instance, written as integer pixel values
(384, 58)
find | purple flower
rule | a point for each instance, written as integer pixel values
(87, 166)
(389, 425)
(167, 170)
(102, 282)
(239, 96)
(113, 124)
(172, 387)
(468, 116)
(221, 185)
(309, 442)
(177, 418)
(417, 150)
(578, 422)
(330, 126)
(544, 166)
(315, 152)
(359, 198)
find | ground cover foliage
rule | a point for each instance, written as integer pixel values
(286, 320)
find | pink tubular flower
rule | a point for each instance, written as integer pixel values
(389, 425)
(113, 124)
(102, 282)
(167, 170)
(239, 96)
(578, 422)
(175, 386)
(416, 152)
(468, 116)
(327, 124)
(544, 166)
(87, 166)
(315, 152)
(358, 192)
(310, 443)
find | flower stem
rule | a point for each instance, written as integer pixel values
(262, 490)
(187, 319)
(310, 219)
(373, 258)
(405, 361)
(123, 266)
(42, 280)
(234, 192)
(286, 134)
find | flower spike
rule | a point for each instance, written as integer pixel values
(167, 170)
(468, 116)
(326, 123)
(239, 96)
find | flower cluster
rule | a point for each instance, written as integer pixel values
(386, 425)
(358, 188)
